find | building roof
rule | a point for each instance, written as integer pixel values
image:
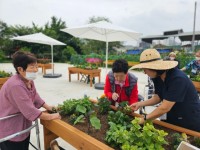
(172, 32)
(185, 36)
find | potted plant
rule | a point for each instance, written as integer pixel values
(4, 77)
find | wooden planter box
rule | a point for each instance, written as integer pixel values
(2, 81)
(83, 141)
(84, 72)
(197, 85)
(75, 137)
(45, 67)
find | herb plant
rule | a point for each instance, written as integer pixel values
(4, 74)
(136, 137)
(80, 110)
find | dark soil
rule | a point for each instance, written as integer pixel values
(100, 134)
(97, 134)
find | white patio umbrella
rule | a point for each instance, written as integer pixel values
(103, 31)
(41, 39)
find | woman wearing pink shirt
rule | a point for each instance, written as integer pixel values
(19, 95)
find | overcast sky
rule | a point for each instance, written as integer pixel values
(149, 17)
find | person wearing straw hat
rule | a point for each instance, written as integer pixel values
(172, 57)
(179, 100)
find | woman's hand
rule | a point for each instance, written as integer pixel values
(47, 116)
(55, 116)
(135, 106)
(115, 96)
(52, 109)
(141, 121)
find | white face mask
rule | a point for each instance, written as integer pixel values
(171, 58)
(197, 58)
(31, 75)
(120, 83)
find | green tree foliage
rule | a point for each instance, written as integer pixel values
(5, 43)
(51, 29)
(67, 53)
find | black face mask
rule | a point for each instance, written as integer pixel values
(160, 72)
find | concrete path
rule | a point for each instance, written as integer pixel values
(55, 90)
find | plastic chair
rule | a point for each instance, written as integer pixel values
(23, 131)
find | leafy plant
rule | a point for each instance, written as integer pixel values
(4, 74)
(196, 142)
(177, 138)
(119, 118)
(103, 105)
(80, 111)
(136, 137)
(95, 122)
(195, 78)
(124, 107)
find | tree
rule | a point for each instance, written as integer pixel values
(94, 19)
(67, 53)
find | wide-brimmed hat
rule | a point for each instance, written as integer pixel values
(150, 59)
(172, 54)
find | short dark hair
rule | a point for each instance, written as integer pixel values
(120, 65)
(23, 59)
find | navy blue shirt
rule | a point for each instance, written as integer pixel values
(178, 88)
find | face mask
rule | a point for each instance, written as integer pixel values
(31, 75)
(197, 58)
(120, 83)
(171, 58)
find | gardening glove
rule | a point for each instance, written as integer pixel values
(115, 96)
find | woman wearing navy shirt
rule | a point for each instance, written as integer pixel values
(179, 100)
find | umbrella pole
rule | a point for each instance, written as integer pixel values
(106, 56)
(52, 65)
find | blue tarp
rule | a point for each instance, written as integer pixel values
(138, 51)
(164, 50)
(135, 51)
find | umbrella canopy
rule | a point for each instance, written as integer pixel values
(103, 31)
(41, 39)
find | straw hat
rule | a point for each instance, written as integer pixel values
(150, 59)
(172, 53)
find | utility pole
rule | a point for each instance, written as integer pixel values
(193, 37)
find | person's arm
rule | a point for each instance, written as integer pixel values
(189, 65)
(47, 116)
(107, 88)
(134, 95)
(47, 107)
(159, 111)
(183, 69)
(152, 101)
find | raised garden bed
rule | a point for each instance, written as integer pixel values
(4, 76)
(2, 81)
(84, 136)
